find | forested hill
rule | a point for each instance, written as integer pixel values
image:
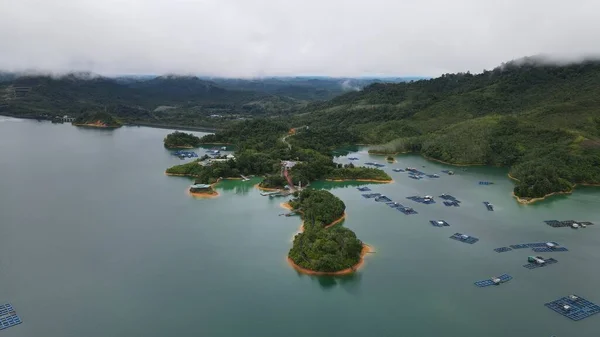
(167, 100)
(541, 120)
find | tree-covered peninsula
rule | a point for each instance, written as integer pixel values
(318, 248)
(262, 151)
(97, 120)
(181, 140)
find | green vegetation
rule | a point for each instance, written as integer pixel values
(181, 140)
(318, 248)
(98, 119)
(260, 150)
(538, 119)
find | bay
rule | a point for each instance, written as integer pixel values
(95, 240)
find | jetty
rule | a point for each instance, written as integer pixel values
(496, 280)
(8, 316)
(574, 307)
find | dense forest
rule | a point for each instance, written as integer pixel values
(318, 248)
(98, 119)
(539, 119)
(181, 140)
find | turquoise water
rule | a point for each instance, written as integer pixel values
(96, 241)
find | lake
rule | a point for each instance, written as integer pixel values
(95, 240)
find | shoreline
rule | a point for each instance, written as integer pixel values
(179, 147)
(361, 180)
(266, 189)
(365, 250)
(98, 126)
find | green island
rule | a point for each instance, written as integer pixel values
(322, 247)
(97, 120)
(540, 120)
(199, 189)
(181, 140)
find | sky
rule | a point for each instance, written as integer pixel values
(255, 38)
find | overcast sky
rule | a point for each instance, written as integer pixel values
(246, 38)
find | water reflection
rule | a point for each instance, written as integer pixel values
(350, 282)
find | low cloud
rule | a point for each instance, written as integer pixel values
(248, 38)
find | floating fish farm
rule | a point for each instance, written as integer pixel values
(451, 203)
(412, 176)
(502, 249)
(533, 265)
(382, 198)
(371, 195)
(549, 249)
(424, 200)
(185, 154)
(486, 183)
(494, 281)
(439, 223)
(415, 171)
(574, 307)
(352, 158)
(568, 223)
(489, 206)
(407, 210)
(369, 163)
(448, 172)
(464, 238)
(398, 170)
(378, 165)
(363, 189)
(539, 247)
(8, 316)
(432, 175)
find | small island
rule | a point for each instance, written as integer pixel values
(181, 140)
(390, 159)
(324, 248)
(203, 190)
(97, 120)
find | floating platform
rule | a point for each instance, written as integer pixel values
(439, 223)
(363, 189)
(415, 171)
(537, 265)
(8, 316)
(370, 163)
(451, 203)
(494, 281)
(464, 238)
(371, 195)
(489, 206)
(407, 210)
(448, 197)
(519, 246)
(185, 154)
(502, 249)
(398, 170)
(432, 175)
(422, 200)
(568, 223)
(394, 204)
(382, 198)
(412, 176)
(486, 183)
(574, 307)
(549, 249)
(379, 165)
(352, 158)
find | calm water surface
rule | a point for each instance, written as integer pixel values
(96, 241)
